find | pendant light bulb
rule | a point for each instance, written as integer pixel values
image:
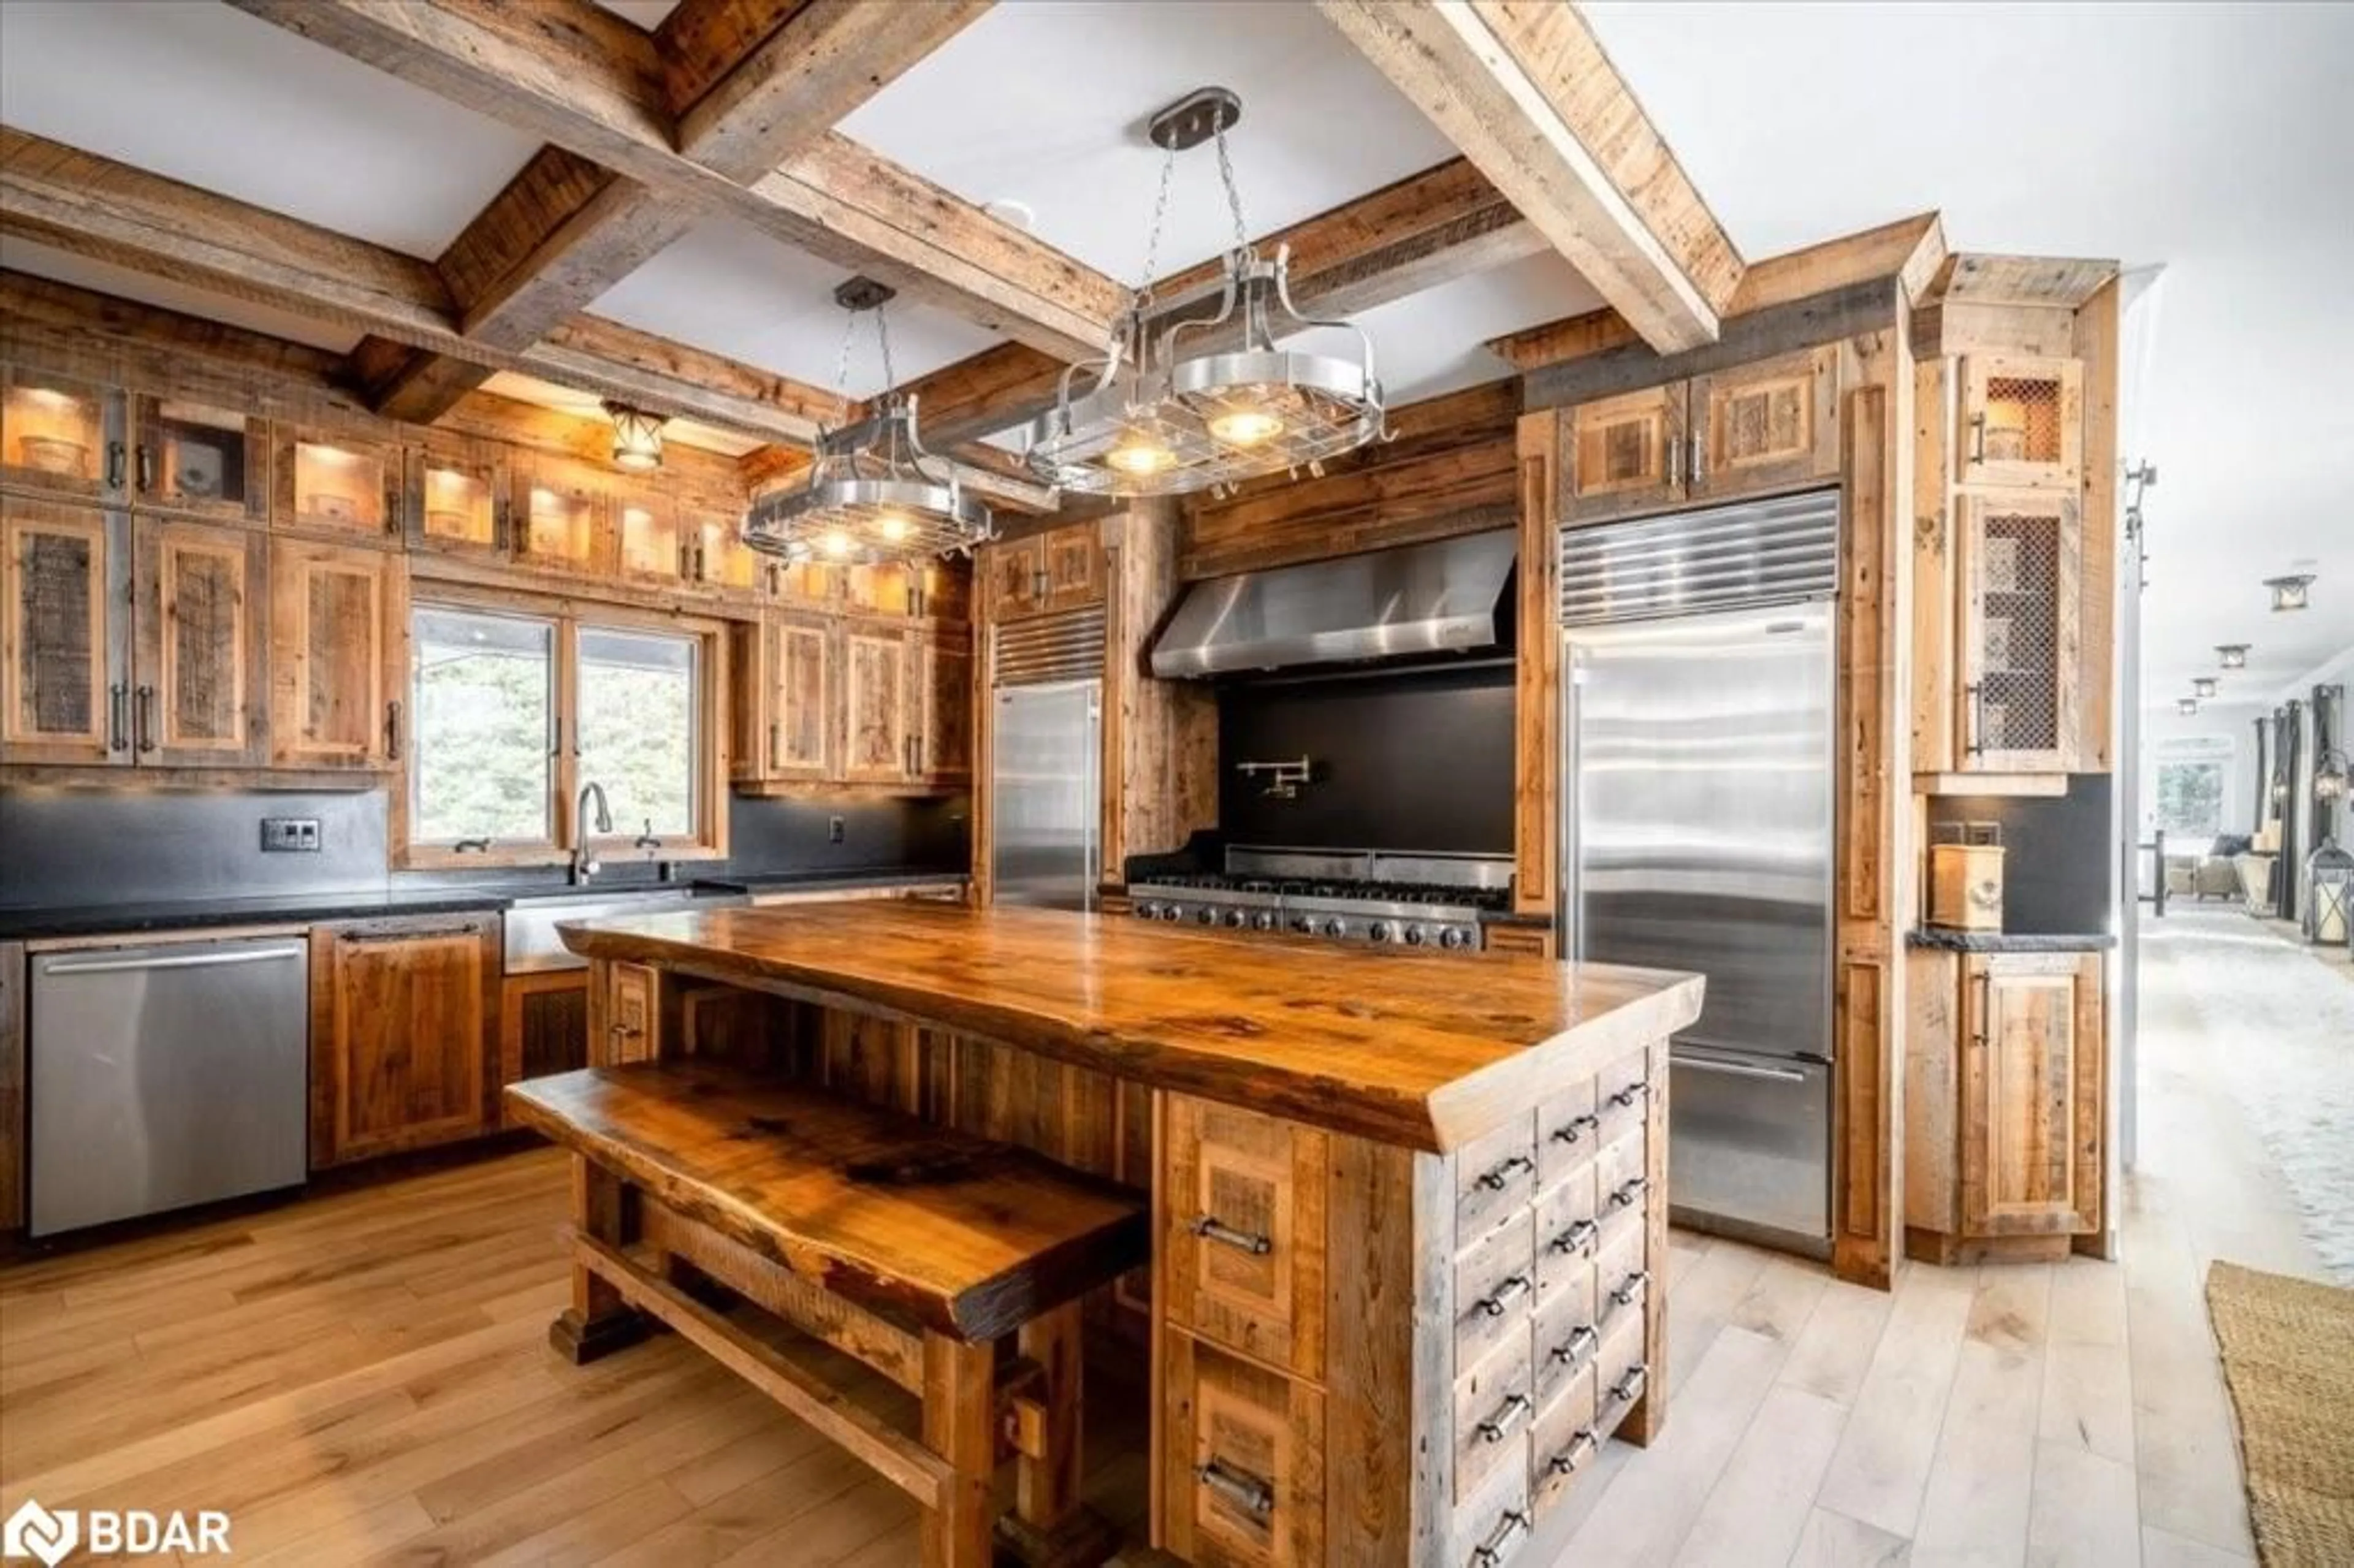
(1245, 426)
(1141, 453)
(893, 527)
(836, 543)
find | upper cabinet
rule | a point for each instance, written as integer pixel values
(338, 655)
(459, 494)
(61, 437)
(1754, 429)
(338, 483)
(721, 560)
(1062, 569)
(2019, 558)
(2021, 422)
(201, 458)
(64, 634)
(649, 537)
(562, 515)
(201, 640)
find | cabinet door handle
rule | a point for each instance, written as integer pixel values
(1038, 584)
(145, 718)
(1489, 1553)
(1581, 1338)
(118, 699)
(1674, 466)
(776, 745)
(1986, 1006)
(1978, 439)
(1210, 1228)
(1974, 740)
(1627, 1096)
(1495, 1302)
(372, 938)
(916, 741)
(1630, 1388)
(1575, 1128)
(1699, 461)
(1577, 1239)
(1626, 1289)
(1497, 1427)
(1240, 1488)
(1628, 1191)
(1582, 1445)
(1495, 1179)
(146, 466)
(392, 730)
(114, 455)
(502, 526)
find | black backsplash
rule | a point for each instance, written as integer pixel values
(87, 846)
(1413, 761)
(2058, 852)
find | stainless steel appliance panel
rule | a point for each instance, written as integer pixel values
(1045, 795)
(1699, 832)
(165, 1075)
(1751, 1142)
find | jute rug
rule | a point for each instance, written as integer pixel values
(2288, 1358)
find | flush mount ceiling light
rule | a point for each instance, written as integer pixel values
(1211, 399)
(2235, 655)
(2290, 592)
(2203, 686)
(2186, 706)
(874, 494)
(637, 436)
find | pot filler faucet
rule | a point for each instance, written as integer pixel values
(584, 864)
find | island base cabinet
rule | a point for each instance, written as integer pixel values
(1243, 1461)
(402, 1019)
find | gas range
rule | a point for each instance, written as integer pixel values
(1367, 896)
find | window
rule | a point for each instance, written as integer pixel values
(2191, 799)
(518, 709)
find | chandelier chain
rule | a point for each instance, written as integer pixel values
(1234, 192)
(1152, 236)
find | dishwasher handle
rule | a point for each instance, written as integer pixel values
(1737, 1069)
(176, 961)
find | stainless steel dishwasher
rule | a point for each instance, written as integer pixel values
(165, 1075)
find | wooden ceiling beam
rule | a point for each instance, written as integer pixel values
(1423, 230)
(96, 207)
(576, 76)
(1523, 88)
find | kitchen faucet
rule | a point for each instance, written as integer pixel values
(584, 864)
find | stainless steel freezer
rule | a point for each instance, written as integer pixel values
(1045, 794)
(1697, 830)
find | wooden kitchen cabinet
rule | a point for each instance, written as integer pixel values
(2021, 422)
(1073, 561)
(940, 686)
(1015, 573)
(201, 459)
(338, 483)
(2020, 662)
(562, 515)
(1754, 429)
(200, 645)
(650, 540)
(721, 561)
(878, 735)
(401, 1045)
(2007, 1101)
(459, 494)
(786, 705)
(65, 644)
(338, 655)
(827, 700)
(61, 438)
(1625, 454)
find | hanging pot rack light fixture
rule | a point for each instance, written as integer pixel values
(874, 494)
(1210, 399)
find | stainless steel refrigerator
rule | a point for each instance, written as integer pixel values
(1046, 794)
(1697, 830)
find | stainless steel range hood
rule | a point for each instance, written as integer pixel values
(1415, 602)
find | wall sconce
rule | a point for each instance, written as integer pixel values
(2203, 686)
(2186, 706)
(2289, 592)
(2233, 655)
(637, 436)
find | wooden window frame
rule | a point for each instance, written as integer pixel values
(568, 614)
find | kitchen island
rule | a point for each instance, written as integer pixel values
(1409, 1233)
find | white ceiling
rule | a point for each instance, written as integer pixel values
(2217, 140)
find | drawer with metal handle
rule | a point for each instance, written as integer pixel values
(1621, 1371)
(1619, 1275)
(1566, 1233)
(1619, 1178)
(1493, 1403)
(1568, 1133)
(1564, 1441)
(1622, 1092)
(1568, 1332)
(1492, 1524)
(1495, 1287)
(1242, 1456)
(1242, 1234)
(1494, 1176)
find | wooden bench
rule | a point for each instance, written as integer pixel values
(915, 1249)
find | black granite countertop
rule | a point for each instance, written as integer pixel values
(2009, 941)
(51, 921)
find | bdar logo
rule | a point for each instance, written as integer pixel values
(34, 1532)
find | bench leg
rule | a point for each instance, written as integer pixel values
(959, 1410)
(1048, 1527)
(597, 1323)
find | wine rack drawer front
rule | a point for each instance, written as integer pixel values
(1567, 1234)
(1243, 1240)
(1494, 1176)
(1493, 1527)
(1621, 1281)
(1565, 1442)
(1620, 1370)
(1494, 1403)
(1620, 1184)
(1569, 1130)
(1495, 1289)
(1568, 1335)
(1622, 1095)
(1243, 1457)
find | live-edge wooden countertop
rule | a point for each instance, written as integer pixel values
(1428, 1051)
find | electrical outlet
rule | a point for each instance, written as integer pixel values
(282, 835)
(833, 829)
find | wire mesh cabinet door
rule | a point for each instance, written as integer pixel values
(2023, 422)
(2021, 559)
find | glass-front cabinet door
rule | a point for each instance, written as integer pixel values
(2022, 421)
(561, 516)
(203, 459)
(337, 483)
(2021, 632)
(458, 495)
(60, 437)
(722, 560)
(65, 686)
(648, 536)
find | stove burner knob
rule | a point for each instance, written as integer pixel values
(1454, 937)
(1414, 937)
(1234, 920)
(1303, 924)
(1146, 909)
(1382, 931)
(1263, 921)
(1208, 917)
(1171, 912)
(1334, 929)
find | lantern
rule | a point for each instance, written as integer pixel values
(2329, 894)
